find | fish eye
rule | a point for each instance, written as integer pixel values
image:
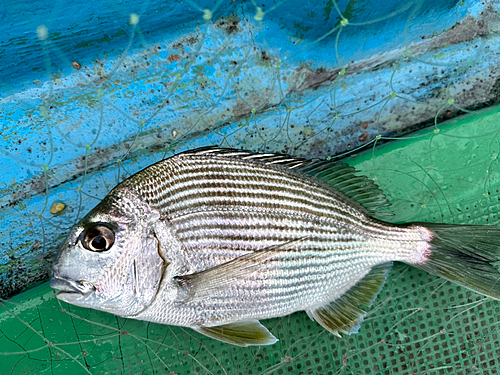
(98, 238)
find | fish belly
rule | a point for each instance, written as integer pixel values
(324, 261)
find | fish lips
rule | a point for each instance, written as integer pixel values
(71, 290)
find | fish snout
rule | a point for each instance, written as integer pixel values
(71, 286)
(69, 274)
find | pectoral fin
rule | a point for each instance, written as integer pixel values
(232, 274)
(244, 333)
(345, 313)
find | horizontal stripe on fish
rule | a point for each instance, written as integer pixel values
(246, 218)
(308, 195)
(265, 195)
(254, 177)
(250, 223)
(274, 297)
(206, 175)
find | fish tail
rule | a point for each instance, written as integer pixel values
(466, 255)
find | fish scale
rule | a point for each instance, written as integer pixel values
(249, 196)
(193, 207)
(217, 239)
(187, 195)
(253, 183)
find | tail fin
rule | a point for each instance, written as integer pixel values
(466, 255)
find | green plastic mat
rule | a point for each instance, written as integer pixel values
(419, 324)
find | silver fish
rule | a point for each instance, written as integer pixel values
(218, 239)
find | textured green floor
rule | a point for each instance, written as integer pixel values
(418, 325)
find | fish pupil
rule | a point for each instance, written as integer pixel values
(98, 238)
(99, 243)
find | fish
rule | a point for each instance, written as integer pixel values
(219, 239)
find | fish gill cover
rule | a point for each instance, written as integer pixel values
(92, 92)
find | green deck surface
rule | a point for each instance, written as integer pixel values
(419, 324)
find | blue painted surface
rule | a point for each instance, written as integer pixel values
(84, 31)
(303, 80)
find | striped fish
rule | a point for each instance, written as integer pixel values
(218, 239)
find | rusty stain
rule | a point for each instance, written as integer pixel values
(264, 56)
(470, 28)
(76, 65)
(365, 124)
(173, 58)
(229, 26)
(307, 78)
(467, 30)
(363, 137)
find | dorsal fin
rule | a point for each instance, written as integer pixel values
(337, 174)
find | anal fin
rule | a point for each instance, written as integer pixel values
(244, 333)
(345, 314)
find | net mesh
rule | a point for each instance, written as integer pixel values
(312, 79)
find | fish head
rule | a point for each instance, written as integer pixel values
(111, 260)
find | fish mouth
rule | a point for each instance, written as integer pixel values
(68, 287)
